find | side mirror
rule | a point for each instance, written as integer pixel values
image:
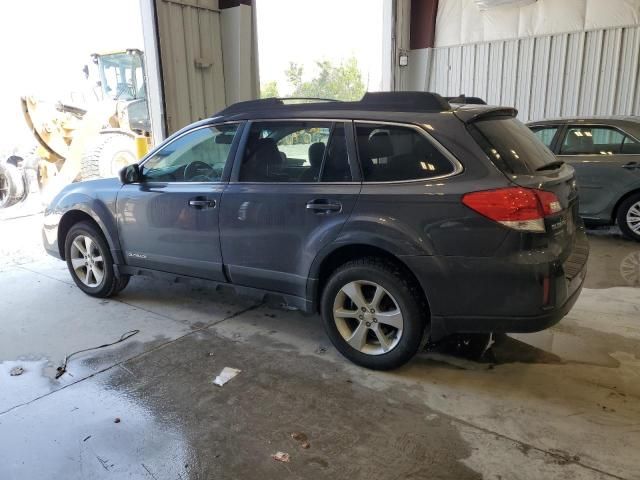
(130, 174)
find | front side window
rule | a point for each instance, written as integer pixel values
(545, 134)
(394, 153)
(295, 151)
(197, 156)
(586, 140)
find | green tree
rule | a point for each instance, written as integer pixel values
(270, 89)
(340, 82)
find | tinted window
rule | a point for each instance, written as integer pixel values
(545, 134)
(393, 153)
(198, 156)
(510, 145)
(585, 140)
(295, 151)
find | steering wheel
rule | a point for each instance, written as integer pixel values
(198, 171)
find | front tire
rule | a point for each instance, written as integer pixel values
(373, 314)
(13, 186)
(90, 262)
(629, 217)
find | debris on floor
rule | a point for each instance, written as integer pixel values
(302, 438)
(281, 457)
(15, 371)
(225, 375)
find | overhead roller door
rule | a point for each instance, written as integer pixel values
(190, 47)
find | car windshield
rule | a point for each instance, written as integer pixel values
(511, 145)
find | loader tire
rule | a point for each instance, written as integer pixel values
(108, 155)
(13, 187)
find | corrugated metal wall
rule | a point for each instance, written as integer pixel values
(191, 53)
(584, 73)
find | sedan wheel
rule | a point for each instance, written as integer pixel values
(633, 218)
(87, 261)
(368, 317)
(629, 216)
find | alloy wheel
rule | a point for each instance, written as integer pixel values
(368, 317)
(87, 261)
(633, 218)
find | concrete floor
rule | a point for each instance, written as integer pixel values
(557, 404)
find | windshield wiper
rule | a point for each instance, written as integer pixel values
(551, 166)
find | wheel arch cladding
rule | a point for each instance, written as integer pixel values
(324, 267)
(68, 220)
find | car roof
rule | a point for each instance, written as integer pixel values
(390, 106)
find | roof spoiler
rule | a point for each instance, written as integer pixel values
(472, 115)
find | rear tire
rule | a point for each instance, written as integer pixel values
(383, 328)
(110, 153)
(13, 187)
(90, 262)
(629, 217)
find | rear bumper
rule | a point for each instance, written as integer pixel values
(443, 326)
(498, 294)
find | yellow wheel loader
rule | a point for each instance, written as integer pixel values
(109, 130)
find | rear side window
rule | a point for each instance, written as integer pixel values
(296, 151)
(586, 140)
(393, 153)
(545, 134)
(511, 146)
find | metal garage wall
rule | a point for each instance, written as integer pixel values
(585, 73)
(191, 52)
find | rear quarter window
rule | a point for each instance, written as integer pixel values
(510, 145)
(391, 153)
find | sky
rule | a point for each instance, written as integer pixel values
(44, 45)
(304, 31)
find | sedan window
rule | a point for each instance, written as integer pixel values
(589, 140)
(545, 134)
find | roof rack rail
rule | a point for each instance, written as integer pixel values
(462, 98)
(399, 101)
(270, 102)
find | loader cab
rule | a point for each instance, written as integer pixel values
(121, 75)
(121, 78)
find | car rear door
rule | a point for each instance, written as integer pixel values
(169, 221)
(605, 164)
(293, 186)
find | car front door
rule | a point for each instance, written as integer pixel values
(293, 186)
(603, 159)
(169, 220)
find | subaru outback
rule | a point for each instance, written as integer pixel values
(399, 218)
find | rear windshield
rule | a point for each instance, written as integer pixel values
(511, 145)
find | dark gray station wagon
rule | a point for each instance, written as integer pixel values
(399, 217)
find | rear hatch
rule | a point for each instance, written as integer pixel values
(528, 163)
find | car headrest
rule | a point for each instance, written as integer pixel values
(316, 152)
(380, 145)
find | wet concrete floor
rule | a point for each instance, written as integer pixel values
(563, 403)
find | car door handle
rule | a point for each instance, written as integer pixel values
(324, 206)
(631, 165)
(202, 203)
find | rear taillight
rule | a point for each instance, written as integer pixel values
(519, 208)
